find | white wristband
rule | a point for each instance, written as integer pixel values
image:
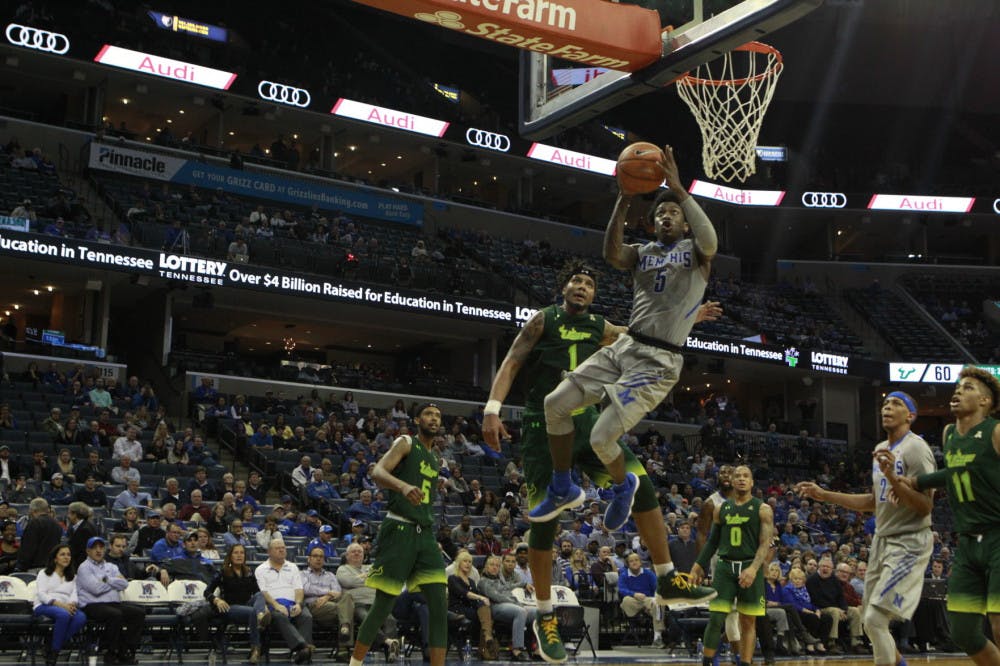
(492, 408)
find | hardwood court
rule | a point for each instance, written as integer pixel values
(645, 657)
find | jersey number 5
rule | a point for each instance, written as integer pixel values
(425, 490)
(660, 281)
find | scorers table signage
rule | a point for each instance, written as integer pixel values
(212, 272)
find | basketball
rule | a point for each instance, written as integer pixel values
(638, 169)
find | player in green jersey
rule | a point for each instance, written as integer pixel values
(554, 341)
(405, 550)
(742, 530)
(971, 478)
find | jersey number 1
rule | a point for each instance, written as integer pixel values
(963, 487)
(572, 356)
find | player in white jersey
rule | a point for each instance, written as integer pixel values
(637, 372)
(901, 547)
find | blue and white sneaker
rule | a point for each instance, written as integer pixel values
(620, 507)
(554, 504)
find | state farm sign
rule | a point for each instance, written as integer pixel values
(574, 30)
(925, 204)
(167, 68)
(370, 113)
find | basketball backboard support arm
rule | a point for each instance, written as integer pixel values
(541, 117)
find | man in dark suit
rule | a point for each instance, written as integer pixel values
(9, 466)
(173, 494)
(41, 535)
(80, 529)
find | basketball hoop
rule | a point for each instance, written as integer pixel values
(728, 98)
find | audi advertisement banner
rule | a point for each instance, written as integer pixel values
(913, 203)
(732, 195)
(401, 120)
(37, 39)
(213, 272)
(168, 68)
(110, 157)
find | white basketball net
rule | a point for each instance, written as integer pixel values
(729, 105)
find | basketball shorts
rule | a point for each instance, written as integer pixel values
(405, 553)
(974, 583)
(726, 581)
(896, 567)
(538, 460)
(635, 378)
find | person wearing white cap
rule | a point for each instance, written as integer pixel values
(99, 586)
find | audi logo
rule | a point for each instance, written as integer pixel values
(824, 199)
(35, 38)
(278, 92)
(996, 206)
(488, 140)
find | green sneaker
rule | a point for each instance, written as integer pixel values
(550, 645)
(675, 590)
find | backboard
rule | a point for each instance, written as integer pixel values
(557, 94)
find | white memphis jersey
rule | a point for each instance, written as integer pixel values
(913, 457)
(668, 285)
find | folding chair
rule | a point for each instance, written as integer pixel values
(17, 623)
(161, 618)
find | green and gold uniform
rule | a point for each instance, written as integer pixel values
(405, 549)
(739, 537)
(973, 486)
(566, 341)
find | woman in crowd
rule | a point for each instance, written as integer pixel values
(578, 574)
(218, 523)
(487, 506)
(504, 606)
(71, 435)
(796, 595)
(238, 599)
(55, 598)
(64, 462)
(161, 445)
(349, 406)
(464, 598)
(399, 411)
(250, 526)
(177, 455)
(205, 545)
(9, 547)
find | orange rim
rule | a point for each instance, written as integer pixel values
(756, 47)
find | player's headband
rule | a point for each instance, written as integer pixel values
(907, 400)
(582, 270)
(427, 405)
